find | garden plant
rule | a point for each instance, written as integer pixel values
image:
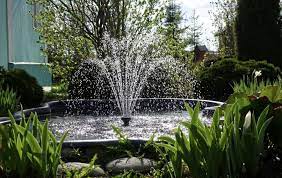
(29, 149)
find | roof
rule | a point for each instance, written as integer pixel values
(201, 48)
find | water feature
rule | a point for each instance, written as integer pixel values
(96, 117)
(127, 63)
(127, 67)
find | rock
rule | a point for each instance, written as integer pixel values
(77, 166)
(133, 163)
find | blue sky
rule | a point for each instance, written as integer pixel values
(202, 8)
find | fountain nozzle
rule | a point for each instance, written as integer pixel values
(125, 120)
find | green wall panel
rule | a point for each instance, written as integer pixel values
(25, 39)
(40, 71)
(3, 34)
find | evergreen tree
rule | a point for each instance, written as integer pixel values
(195, 30)
(224, 17)
(174, 31)
(258, 30)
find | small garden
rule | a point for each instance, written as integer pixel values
(242, 141)
(242, 138)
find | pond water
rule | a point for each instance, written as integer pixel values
(142, 126)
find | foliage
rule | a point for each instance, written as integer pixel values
(130, 174)
(89, 82)
(174, 38)
(73, 30)
(195, 30)
(251, 86)
(217, 79)
(29, 149)
(224, 15)
(174, 80)
(255, 96)
(258, 26)
(75, 173)
(26, 87)
(246, 144)
(200, 148)
(8, 101)
(58, 92)
(233, 145)
(126, 148)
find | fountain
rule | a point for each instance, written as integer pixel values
(127, 64)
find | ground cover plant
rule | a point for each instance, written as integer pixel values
(74, 172)
(28, 149)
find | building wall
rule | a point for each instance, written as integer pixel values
(25, 39)
(22, 49)
(3, 34)
(39, 70)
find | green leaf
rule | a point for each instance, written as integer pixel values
(167, 139)
(19, 147)
(44, 143)
(189, 109)
(195, 116)
(167, 146)
(262, 118)
(34, 145)
(262, 132)
(273, 93)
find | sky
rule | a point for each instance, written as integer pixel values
(202, 8)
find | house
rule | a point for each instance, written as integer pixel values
(200, 52)
(19, 47)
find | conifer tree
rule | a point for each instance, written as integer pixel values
(258, 30)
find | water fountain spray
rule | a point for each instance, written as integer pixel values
(127, 64)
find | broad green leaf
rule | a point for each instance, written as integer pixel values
(34, 145)
(273, 93)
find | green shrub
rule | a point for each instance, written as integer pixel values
(8, 101)
(58, 92)
(173, 80)
(28, 149)
(26, 87)
(170, 81)
(88, 82)
(217, 79)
